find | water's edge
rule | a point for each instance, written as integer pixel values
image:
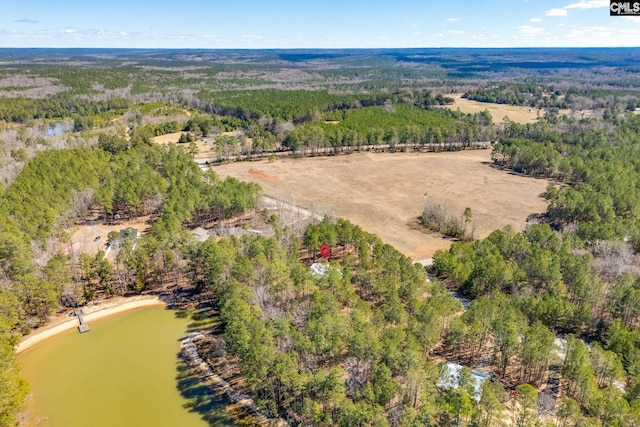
(90, 379)
(189, 351)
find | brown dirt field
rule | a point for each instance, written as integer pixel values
(498, 111)
(384, 193)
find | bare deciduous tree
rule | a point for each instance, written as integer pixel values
(81, 204)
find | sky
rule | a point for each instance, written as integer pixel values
(266, 24)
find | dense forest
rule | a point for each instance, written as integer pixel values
(363, 342)
(596, 169)
(344, 347)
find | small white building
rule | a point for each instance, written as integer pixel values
(130, 233)
(126, 234)
(200, 234)
(318, 269)
(450, 378)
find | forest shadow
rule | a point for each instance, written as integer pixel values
(202, 397)
(202, 318)
(214, 407)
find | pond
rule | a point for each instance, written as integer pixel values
(55, 129)
(124, 372)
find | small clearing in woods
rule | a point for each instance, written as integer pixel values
(384, 193)
(206, 146)
(93, 238)
(167, 138)
(498, 111)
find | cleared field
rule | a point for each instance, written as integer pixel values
(384, 193)
(91, 239)
(168, 138)
(498, 111)
(206, 146)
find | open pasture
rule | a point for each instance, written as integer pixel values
(384, 193)
(498, 111)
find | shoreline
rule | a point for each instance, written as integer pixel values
(189, 352)
(62, 322)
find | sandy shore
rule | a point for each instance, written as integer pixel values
(93, 312)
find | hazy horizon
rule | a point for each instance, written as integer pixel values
(284, 24)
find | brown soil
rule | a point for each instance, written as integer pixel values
(384, 193)
(261, 175)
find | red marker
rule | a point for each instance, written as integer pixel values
(325, 251)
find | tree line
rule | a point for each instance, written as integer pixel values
(60, 106)
(523, 94)
(594, 162)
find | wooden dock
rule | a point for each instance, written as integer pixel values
(83, 327)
